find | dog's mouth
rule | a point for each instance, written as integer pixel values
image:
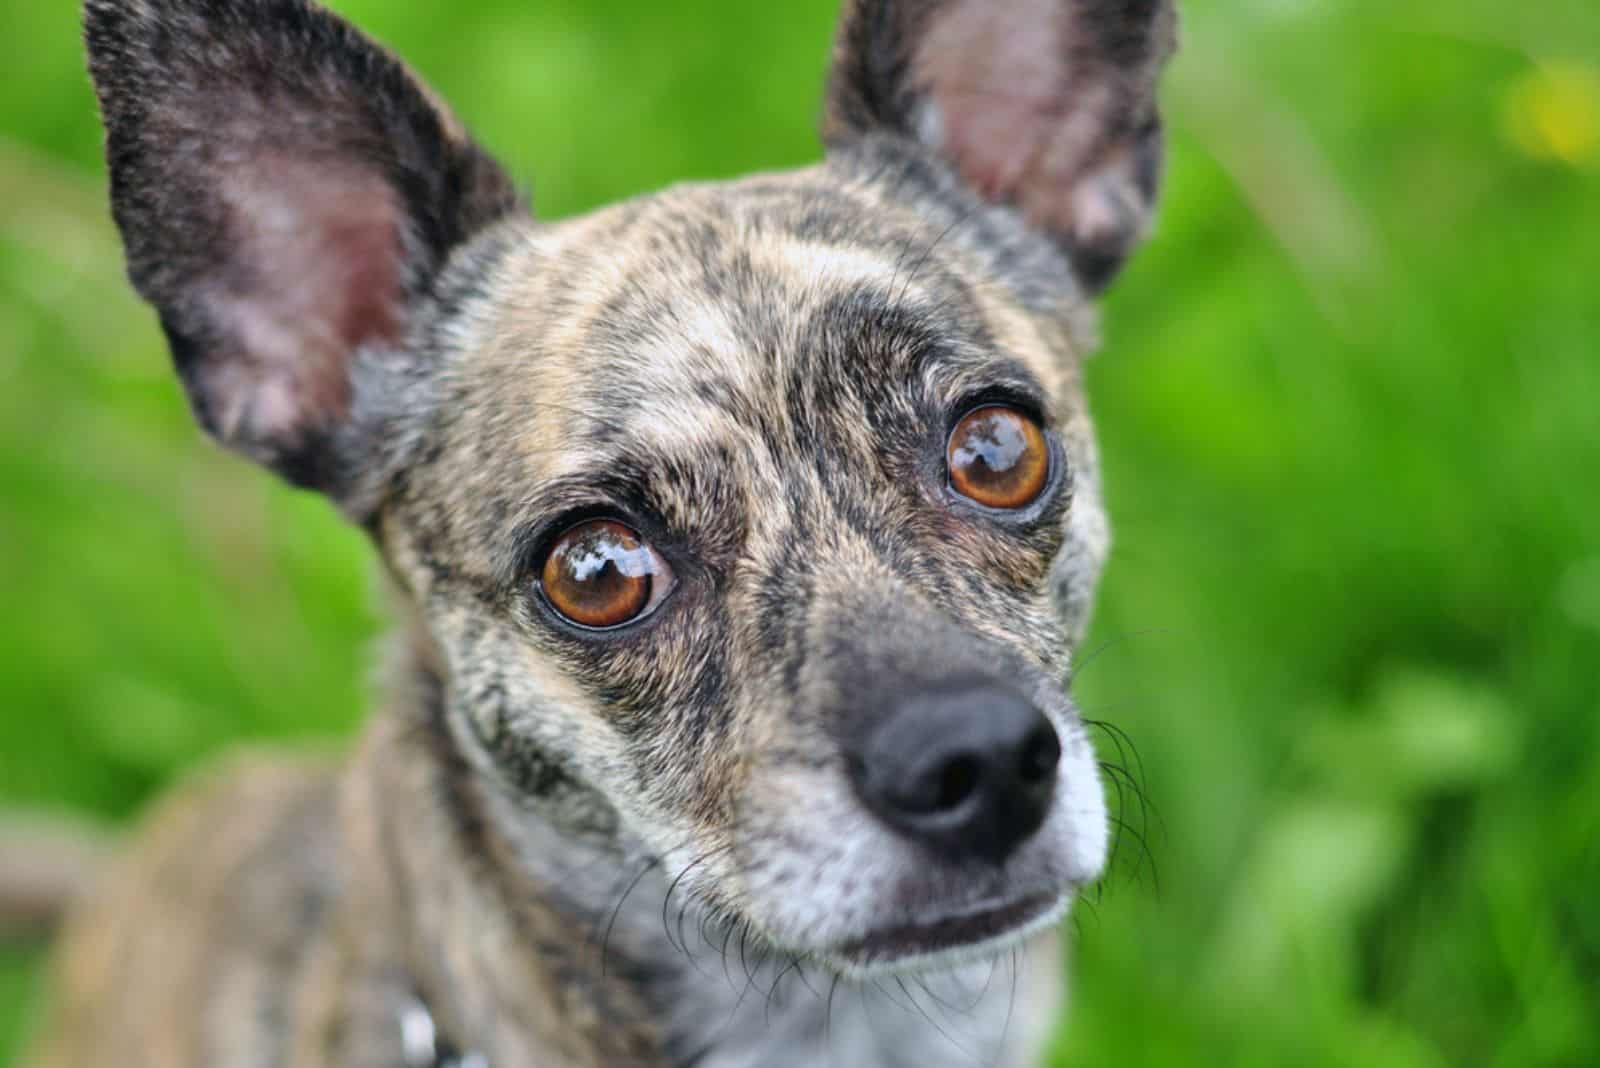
(981, 930)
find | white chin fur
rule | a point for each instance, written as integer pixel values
(815, 872)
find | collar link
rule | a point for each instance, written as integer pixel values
(422, 1045)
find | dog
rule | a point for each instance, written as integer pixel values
(740, 537)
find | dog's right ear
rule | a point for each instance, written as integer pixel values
(1046, 105)
(287, 194)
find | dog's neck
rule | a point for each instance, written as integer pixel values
(535, 931)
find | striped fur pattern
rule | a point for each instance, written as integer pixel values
(637, 846)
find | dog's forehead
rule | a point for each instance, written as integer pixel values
(712, 311)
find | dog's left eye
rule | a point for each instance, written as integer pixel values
(998, 457)
(601, 574)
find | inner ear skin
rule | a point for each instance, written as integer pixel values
(1048, 106)
(334, 236)
(287, 194)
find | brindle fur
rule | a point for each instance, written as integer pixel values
(637, 848)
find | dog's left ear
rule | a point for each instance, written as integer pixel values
(287, 194)
(1046, 105)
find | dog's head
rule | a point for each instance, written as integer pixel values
(766, 511)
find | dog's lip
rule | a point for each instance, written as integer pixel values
(967, 928)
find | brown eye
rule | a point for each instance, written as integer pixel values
(998, 457)
(600, 574)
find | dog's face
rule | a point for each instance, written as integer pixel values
(707, 516)
(765, 511)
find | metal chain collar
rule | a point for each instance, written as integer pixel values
(424, 1048)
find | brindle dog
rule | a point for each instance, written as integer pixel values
(742, 533)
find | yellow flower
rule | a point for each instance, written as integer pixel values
(1553, 113)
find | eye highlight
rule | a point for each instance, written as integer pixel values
(998, 457)
(600, 574)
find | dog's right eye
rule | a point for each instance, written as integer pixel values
(600, 574)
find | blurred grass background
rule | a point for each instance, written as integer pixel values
(1350, 407)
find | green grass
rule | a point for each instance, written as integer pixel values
(1350, 408)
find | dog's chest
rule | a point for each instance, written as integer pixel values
(772, 1017)
(987, 1013)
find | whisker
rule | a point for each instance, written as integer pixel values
(922, 985)
(794, 962)
(827, 1011)
(1149, 857)
(1116, 829)
(680, 943)
(1079, 664)
(1011, 1005)
(727, 971)
(911, 275)
(605, 942)
(920, 1011)
(994, 966)
(1120, 737)
(799, 970)
(1119, 776)
(588, 414)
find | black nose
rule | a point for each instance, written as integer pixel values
(969, 771)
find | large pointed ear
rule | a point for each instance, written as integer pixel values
(1046, 105)
(287, 194)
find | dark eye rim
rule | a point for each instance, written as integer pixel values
(545, 545)
(1055, 478)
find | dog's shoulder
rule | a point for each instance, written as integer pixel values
(209, 915)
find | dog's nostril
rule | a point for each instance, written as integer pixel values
(958, 781)
(970, 772)
(1041, 752)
